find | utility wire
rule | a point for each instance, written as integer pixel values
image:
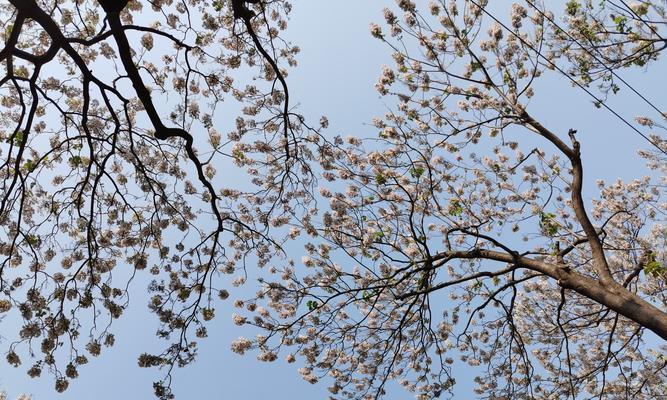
(642, 20)
(599, 101)
(596, 58)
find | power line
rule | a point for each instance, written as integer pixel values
(599, 101)
(641, 19)
(596, 58)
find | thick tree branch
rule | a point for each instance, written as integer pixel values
(162, 132)
(614, 297)
(599, 258)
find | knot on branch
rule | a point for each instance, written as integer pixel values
(113, 6)
(163, 133)
(575, 143)
(241, 10)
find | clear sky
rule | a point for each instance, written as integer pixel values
(339, 65)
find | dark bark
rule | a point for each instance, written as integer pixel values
(612, 295)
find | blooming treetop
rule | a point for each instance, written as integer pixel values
(415, 262)
(117, 116)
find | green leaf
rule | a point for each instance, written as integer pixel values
(417, 172)
(654, 268)
(620, 21)
(238, 154)
(455, 208)
(548, 225)
(368, 295)
(32, 239)
(378, 236)
(312, 305)
(29, 166)
(74, 161)
(17, 139)
(571, 7)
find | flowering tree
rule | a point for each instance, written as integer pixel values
(3, 396)
(417, 262)
(111, 127)
(112, 131)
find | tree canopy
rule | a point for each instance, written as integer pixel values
(460, 230)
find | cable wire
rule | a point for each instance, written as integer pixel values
(599, 101)
(642, 20)
(651, 104)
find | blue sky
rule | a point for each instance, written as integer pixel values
(339, 65)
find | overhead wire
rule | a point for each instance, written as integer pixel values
(641, 19)
(577, 83)
(617, 76)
